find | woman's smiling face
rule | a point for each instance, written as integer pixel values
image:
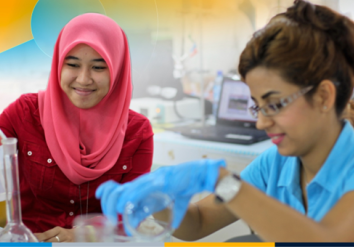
(85, 76)
(296, 128)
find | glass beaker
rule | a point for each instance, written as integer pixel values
(93, 228)
(15, 230)
(150, 220)
(155, 215)
(98, 228)
(120, 235)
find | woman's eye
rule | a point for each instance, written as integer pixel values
(99, 67)
(72, 65)
(272, 107)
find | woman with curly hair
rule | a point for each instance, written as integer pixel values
(299, 69)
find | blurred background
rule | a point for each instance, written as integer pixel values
(176, 45)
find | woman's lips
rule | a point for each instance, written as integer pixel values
(276, 138)
(83, 92)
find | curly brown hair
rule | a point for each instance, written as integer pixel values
(306, 44)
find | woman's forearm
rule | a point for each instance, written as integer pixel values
(204, 218)
(190, 225)
(275, 221)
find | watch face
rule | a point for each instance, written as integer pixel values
(228, 188)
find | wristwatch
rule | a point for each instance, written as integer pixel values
(227, 188)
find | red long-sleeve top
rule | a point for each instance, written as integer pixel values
(48, 197)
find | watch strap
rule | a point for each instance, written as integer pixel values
(218, 197)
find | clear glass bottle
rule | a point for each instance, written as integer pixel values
(15, 230)
(217, 92)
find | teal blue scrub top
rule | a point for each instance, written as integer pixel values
(279, 176)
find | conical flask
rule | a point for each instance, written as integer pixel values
(15, 230)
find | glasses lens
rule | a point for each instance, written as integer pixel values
(270, 109)
(254, 111)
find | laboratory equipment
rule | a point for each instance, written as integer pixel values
(150, 219)
(120, 234)
(147, 221)
(93, 228)
(15, 230)
(234, 122)
(164, 111)
(217, 91)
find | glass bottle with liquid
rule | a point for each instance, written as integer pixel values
(15, 230)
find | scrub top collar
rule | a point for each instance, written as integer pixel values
(290, 175)
(334, 165)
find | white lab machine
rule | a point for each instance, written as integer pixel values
(167, 111)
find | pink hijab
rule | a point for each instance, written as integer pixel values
(99, 130)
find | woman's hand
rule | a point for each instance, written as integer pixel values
(181, 182)
(55, 235)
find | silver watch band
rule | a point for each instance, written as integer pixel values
(227, 188)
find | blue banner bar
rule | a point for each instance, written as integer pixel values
(26, 244)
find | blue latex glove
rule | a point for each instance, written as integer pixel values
(180, 182)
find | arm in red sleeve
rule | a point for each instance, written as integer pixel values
(142, 158)
(11, 117)
(6, 125)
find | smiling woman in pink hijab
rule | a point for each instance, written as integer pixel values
(79, 132)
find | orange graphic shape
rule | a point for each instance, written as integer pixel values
(15, 22)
